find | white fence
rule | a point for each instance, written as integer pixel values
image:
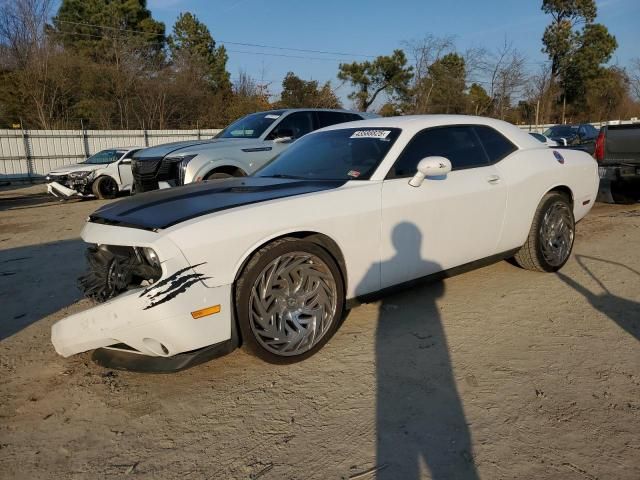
(29, 154)
(542, 128)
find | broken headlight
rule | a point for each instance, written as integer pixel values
(80, 174)
(151, 256)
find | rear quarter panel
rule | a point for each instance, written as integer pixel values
(530, 174)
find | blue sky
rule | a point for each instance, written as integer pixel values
(376, 27)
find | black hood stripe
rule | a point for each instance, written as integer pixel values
(163, 208)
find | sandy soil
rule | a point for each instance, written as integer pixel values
(497, 373)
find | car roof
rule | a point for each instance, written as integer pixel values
(121, 148)
(282, 111)
(414, 123)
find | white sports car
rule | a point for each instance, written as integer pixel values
(271, 261)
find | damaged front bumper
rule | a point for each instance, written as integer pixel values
(158, 320)
(58, 190)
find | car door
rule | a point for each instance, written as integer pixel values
(447, 221)
(294, 125)
(124, 170)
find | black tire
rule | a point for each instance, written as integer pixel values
(532, 255)
(263, 259)
(105, 188)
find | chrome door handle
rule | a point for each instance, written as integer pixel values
(493, 179)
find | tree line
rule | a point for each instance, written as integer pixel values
(114, 66)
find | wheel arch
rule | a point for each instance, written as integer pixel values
(320, 239)
(564, 190)
(220, 166)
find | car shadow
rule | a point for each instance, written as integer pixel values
(38, 280)
(625, 313)
(419, 414)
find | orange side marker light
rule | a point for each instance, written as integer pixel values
(206, 312)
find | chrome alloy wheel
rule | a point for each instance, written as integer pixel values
(556, 234)
(293, 303)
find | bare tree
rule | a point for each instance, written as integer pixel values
(505, 69)
(634, 77)
(541, 92)
(22, 29)
(425, 52)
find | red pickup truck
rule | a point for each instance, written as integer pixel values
(617, 152)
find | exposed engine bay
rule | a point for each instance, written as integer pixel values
(115, 269)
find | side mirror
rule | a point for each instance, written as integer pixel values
(430, 167)
(283, 135)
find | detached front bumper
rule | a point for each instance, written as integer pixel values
(58, 190)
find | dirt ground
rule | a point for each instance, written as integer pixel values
(499, 373)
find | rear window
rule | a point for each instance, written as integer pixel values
(495, 144)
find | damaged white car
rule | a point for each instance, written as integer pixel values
(102, 175)
(272, 260)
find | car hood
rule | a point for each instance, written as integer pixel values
(79, 167)
(194, 147)
(163, 208)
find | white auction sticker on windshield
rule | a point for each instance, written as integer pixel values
(371, 134)
(272, 117)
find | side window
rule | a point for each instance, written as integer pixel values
(352, 117)
(130, 154)
(296, 124)
(495, 144)
(330, 118)
(459, 144)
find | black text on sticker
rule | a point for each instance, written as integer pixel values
(371, 134)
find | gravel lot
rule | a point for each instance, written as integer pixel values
(497, 373)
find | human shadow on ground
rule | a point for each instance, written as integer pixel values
(419, 415)
(36, 281)
(625, 313)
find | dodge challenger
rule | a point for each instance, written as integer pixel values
(271, 261)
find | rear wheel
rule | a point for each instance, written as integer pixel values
(289, 300)
(105, 188)
(550, 239)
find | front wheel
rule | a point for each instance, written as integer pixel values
(105, 188)
(289, 300)
(550, 239)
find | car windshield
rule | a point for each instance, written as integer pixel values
(344, 154)
(538, 137)
(104, 156)
(561, 131)
(251, 126)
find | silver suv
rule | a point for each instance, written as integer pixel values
(238, 150)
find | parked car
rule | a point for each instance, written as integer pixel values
(579, 136)
(618, 155)
(272, 260)
(102, 175)
(542, 139)
(237, 151)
